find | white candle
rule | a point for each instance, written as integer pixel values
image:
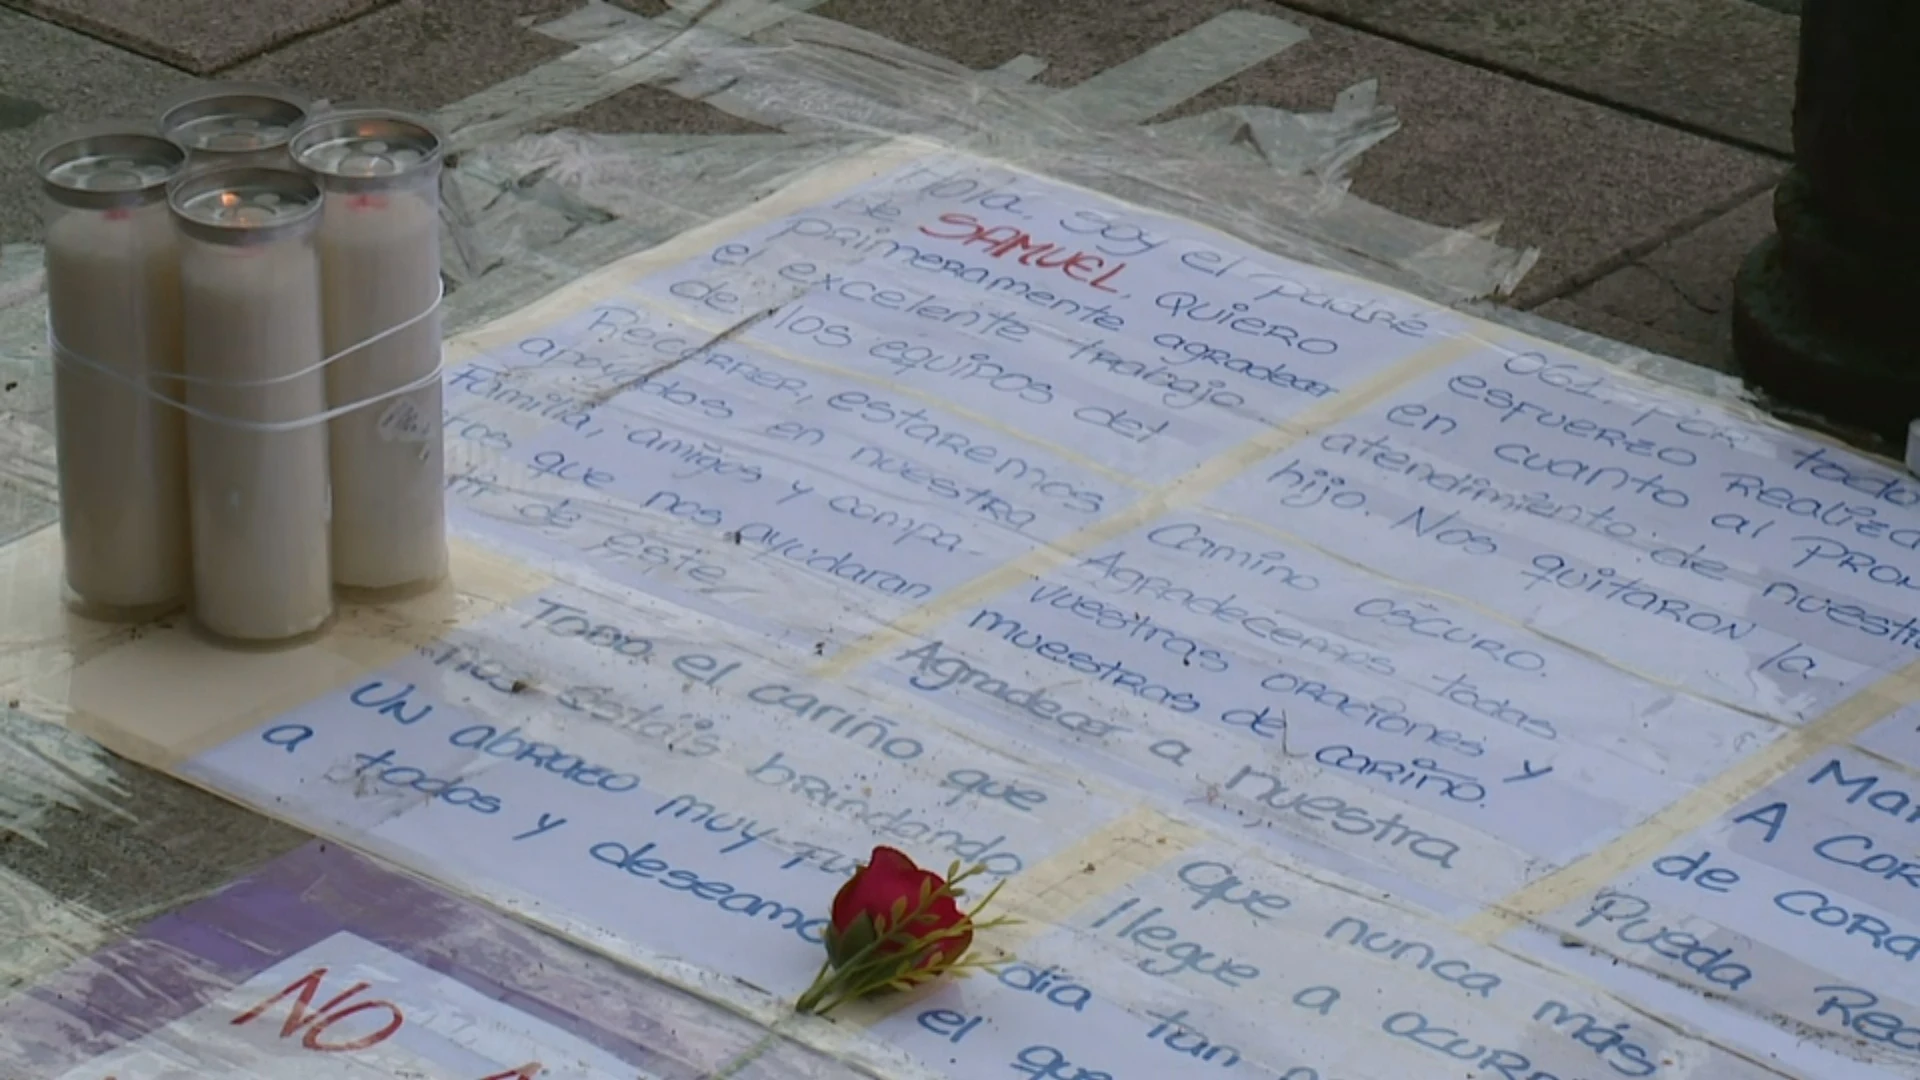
(113, 303)
(380, 269)
(257, 469)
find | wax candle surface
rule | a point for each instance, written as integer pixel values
(113, 300)
(261, 570)
(380, 259)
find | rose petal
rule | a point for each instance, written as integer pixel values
(889, 877)
(890, 861)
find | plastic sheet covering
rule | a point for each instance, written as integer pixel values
(1343, 681)
(527, 213)
(1324, 146)
(97, 846)
(805, 74)
(20, 273)
(535, 208)
(328, 950)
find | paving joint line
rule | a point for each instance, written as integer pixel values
(1638, 112)
(304, 35)
(93, 35)
(1633, 253)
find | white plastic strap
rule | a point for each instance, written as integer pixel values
(439, 294)
(62, 354)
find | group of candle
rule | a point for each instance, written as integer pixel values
(243, 305)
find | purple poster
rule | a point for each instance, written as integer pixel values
(325, 966)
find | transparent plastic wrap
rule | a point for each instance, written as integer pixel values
(1339, 679)
(328, 952)
(869, 516)
(1269, 176)
(805, 74)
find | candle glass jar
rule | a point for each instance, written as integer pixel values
(380, 266)
(232, 124)
(256, 430)
(113, 320)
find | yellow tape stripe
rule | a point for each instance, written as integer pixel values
(893, 386)
(1134, 844)
(1837, 725)
(1187, 488)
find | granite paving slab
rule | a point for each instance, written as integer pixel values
(1584, 183)
(1675, 299)
(417, 54)
(1720, 67)
(52, 77)
(113, 842)
(201, 36)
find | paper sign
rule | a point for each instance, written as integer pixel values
(323, 965)
(1753, 566)
(346, 1009)
(1133, 338)
(704, 798)
(1316, 701)
(1797, 903)
(1896, 737)
(1260, 628)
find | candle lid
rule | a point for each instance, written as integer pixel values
(245, 205)
(234, 120)
(367, 150)
(109, 169)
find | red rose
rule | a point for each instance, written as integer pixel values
(894, 926)
(890, 889)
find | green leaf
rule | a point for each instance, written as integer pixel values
(856, 938)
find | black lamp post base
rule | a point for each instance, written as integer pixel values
(1827, 313)
(1862, 373)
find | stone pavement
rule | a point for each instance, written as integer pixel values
(1633, 142)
